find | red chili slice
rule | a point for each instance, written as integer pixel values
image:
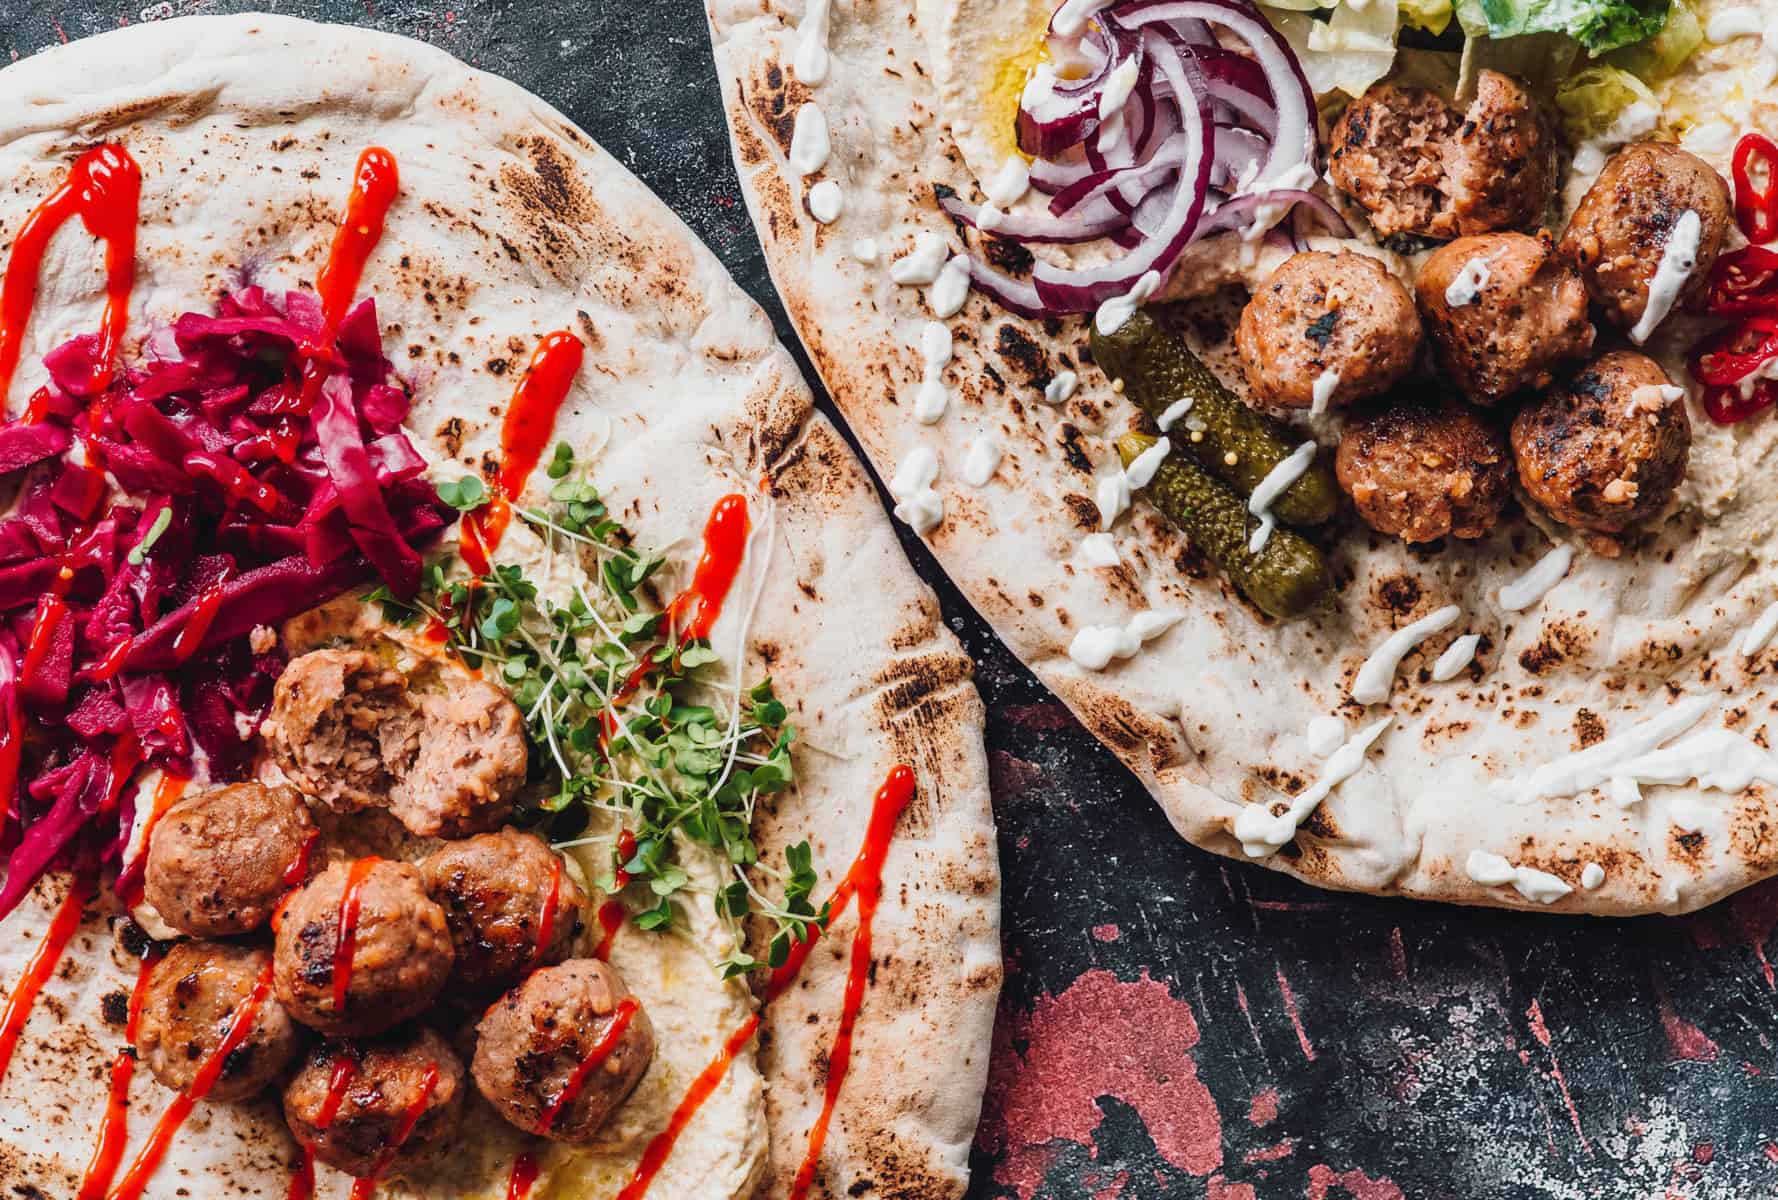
(1744, 283)
(1756, 206)
(1727, 406)
(1724, 359)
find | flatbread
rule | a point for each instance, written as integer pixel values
(1213, 715)
(512, 222)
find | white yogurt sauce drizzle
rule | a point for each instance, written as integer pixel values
(1678, 259)
(1584, 770)
(1491, 870)
(1457, 656)
(865, 250)
(1113, 496)
(1260, 832)
(1638, 118)
(1374, 679)
(1321, 392)
(1114, 312)
(931, 400)
(981, 461)
(1761, 631)
(950, 289)
(1325, 735)
(1060, 387)
(1469, 283)
(811, 60)
(917, 503)
(1173, 412)
(1535, 583)
(1591, 876)
(1277, 481)
(1142, 468)
(1745, 21)
(1010, 184)
(1098, 550)
(809, 144)
(826, 201)
(921, 265)
(1095, 646)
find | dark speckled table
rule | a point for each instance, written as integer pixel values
(1174, 1025)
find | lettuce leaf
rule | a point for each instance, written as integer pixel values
(1599, 25)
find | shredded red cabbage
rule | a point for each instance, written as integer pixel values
(159, 523)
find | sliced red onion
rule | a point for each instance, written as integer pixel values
(1038, 228)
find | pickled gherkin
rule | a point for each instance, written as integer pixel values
(1159, 370)
(1288, 577)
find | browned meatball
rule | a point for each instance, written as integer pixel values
(1625, 222)
(557, 1054)
(496, 890)
(1500, 164)
(1502, 311)
(354, 733)
(410, 1075)
(400, 948)
(1419, 166)
(1606, 449)
(1327, 329)
(219, 861)
(193, 997)
(1424, 471)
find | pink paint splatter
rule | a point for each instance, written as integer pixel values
(1685, 1041)
(1771, 1151)
(1354, 1183)
(1263, 1109)
(1106, 933)
(1746, 919)
(1282, 1150)
(1541, 1032)
(1108, 1190)
(1219, 1188)
(1102, 1036)
(1398, 954)
(1296, 1020)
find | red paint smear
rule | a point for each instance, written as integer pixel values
(1685, 1041)
(1106, 933)
(1109, 1191)
(1282, 1150)
(1354, 1182)
(1747, 919)
(1102, 1036)
(1398, 954)
(1771, 1151)
(1541, 1032)
(1048, 716)
(1296, 1019)
(1263, 1109)
(1219, 1188)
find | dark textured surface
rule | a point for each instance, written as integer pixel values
(1174, 1025)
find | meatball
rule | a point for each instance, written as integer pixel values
(190, 1004)
(1627, 221)
(218, 862)
(1424, 471)
(1606, 449)
(498, 891)
(557, 1054)
(1418, 166)
(381, 1086)
(1327, 329)
(1502, 311)
(352, 732)
(399, 948)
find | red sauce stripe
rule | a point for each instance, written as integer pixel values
(62, 928)
(190, 639)
(114, 1128)
(524, 1174)
(524, 433)
(298, 870)
(240, 1027)
(376, 183)
(129, 880)
(694, 611)
(708, 1080)
(104, 188)
(363, 1188)
(546, 920)
(602, 1049)
(346, 939)
(611, 919)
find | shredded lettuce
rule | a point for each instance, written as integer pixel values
(1345, 50)
(1599, 25)
(1662, 55)
(1591, 101)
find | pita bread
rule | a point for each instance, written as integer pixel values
(1213, 714)
(511, 223)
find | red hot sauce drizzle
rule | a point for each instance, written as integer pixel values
(129, 880)
(240, 1027)
(104, 189)
(375, 185)
(864, 880)
(345, 1068)
(524, 1174)
(611, 919)
(546, 920)
(114, 1130)
(366, 1186)
(602, 1049)
(525, 431)
(62, 928)
(346, 943)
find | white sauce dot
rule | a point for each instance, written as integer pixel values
(1325, 735)
(1060, 387)
(809, 144)
(981, 461)
(826, 201)
(950, 289)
